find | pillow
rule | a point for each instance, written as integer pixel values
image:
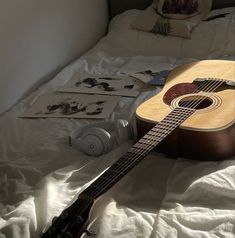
(211, 39)
(172, 17)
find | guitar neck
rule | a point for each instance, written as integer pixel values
(72, 220)
(137, 152)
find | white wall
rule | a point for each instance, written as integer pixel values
(39, 37)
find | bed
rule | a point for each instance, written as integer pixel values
(40, 174)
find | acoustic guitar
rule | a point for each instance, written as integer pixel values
(194, 114)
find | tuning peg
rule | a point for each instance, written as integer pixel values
(79, 219)
(64, 215)
(47, 231)
(65, 235)
(69, 235)
(90, 233)
(41, 234)
(54, 219)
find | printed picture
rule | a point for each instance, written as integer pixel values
(122, 86)
(151, 72)
(185, 7)
(72, 106)
(152, 78)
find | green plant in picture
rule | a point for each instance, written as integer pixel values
(162, 26)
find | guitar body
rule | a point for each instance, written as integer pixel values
(209, 133)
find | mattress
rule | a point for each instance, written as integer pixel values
(40, 174)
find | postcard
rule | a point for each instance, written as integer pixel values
(151, 71)
(97, 84)
(152, 78)
(72, 105)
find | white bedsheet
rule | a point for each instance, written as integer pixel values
(40, 174)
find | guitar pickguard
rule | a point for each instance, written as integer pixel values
(177, 91)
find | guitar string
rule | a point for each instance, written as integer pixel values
(99, 188)
(159, 129)
(195, 103)
(199, 97)
(137, 142)
(203, 97)
(72, 226)
(191, 104)
(186, 104)
(100, 191)
(80, 212)
(218, 83)
(86, 204)
(198, 89)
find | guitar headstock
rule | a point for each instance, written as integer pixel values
(72, 222)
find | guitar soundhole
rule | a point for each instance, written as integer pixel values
(196, 102)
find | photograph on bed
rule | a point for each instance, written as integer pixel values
(150, 72)
(98, 84)
(72, 106)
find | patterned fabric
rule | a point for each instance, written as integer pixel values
(173, 17)
(183, 7)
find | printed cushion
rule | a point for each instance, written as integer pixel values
(172, 17)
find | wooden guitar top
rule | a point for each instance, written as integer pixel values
(219, 115)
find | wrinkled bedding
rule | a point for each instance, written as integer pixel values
(40, 174)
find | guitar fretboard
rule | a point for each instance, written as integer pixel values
(137, 152)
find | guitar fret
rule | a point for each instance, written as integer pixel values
(148, 142)
(134, 150)
(137, 152)
(105, 178)
(175, 120)
(108, 178)
(128, 157)
(158, 136)
(152, 138)
(99, 188)
(115, 168)
(119, 163)
(110, 174)
(163, 130)
(172, 121)
(123, 161)
(102, 180)
(135, 146)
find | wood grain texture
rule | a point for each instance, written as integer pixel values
(205, 120)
